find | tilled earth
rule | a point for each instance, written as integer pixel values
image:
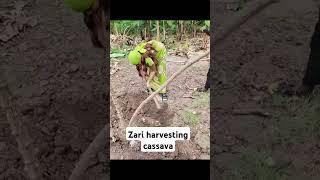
(270, 50)
(129, 91)
(59, 88)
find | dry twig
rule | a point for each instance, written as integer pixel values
(249, 11)
(256, 112)
(99, 141)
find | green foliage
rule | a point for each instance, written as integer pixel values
(206, 25)
(126, 26)
(115, 53)
(202, 100)
(299, 121)
(190, 117)
(170, 27)
(257, 165)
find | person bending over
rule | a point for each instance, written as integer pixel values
(149, 59)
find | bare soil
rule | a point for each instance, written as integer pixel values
(264, 56)
(129, 91)
(58, 82)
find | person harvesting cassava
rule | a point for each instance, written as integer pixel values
(149, 59)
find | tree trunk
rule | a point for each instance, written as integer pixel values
(194, 28)
(181, 27)
(178, 30)
(145, 33)
(115, 28)
(164, 30)
(147, 29)
(158, 30)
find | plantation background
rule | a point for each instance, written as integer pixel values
(178, 36)
(159, 28)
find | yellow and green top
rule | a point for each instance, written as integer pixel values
(160, 54)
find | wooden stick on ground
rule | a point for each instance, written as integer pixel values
(95, 145)
(19, 131)
(90, 153)
(256, 112)
(249, 11)
(183, 68)
(206, 59)
(119, 110)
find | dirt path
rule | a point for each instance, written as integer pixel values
(270, 49)
(185, 108)
(59, 85)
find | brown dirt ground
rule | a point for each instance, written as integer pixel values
(128, 88)
(269, 49)
(60, 89)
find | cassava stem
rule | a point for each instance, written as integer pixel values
(249, 11)
(90, 153)
(152, 74)
(22, 136)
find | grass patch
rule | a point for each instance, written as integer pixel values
(258, 166)
(202, 100)
(190, 117)
(295, 120)
(298, 121)
(116, 53)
